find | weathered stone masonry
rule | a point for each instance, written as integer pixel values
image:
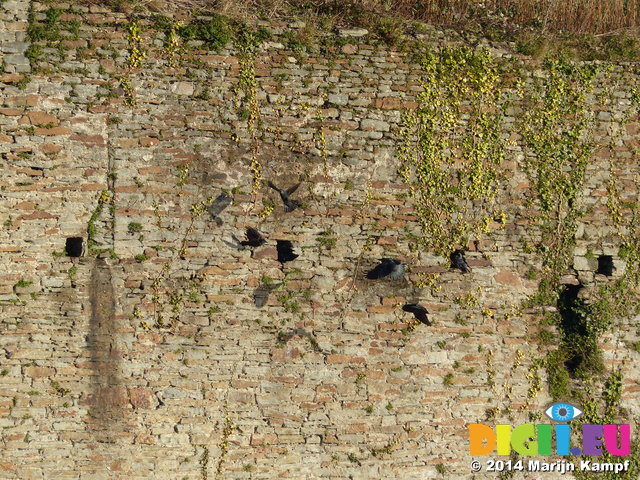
(147, 358)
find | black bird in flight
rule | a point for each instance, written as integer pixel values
(221, 202)
(419, 311)
(388, 267)
(458, 261)
(254, 239)
(285, 251)
(290, 205)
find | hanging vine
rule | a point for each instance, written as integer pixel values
(451, 147)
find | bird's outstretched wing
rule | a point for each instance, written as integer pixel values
(419, 311)
(270, 183)
(387, 267)
(285, 251)
(381, 270)
(253, 234)
(254, 238)
(290, 190)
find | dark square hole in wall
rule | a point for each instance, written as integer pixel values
(73, 248)
(605, 265)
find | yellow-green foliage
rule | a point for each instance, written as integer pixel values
(136, 52)
(129, 92)
(556, 126)
(606, 409)
(451, 146)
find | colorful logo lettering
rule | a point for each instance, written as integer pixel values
(530, 440)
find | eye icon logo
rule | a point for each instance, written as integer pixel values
(562, 412)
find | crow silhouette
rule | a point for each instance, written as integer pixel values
(289, 205)
(285, 251)
(419, 311)
(254, 239)
(458, 261)
(388, 267)
(221, 202)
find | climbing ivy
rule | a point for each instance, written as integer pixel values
(557, 134)
(248, 43)
(451, 147)
(137, 53)
(50, 33)
(556, 128)
(601, 410)
(106, 197)
(170, 294)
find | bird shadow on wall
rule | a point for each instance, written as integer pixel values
(236, 169)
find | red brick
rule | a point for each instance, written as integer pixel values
(265, 253)
(149, 141)
(31, 172)
(393, 300)
(25, 206)
(8, 466)
(75, 43)
(39, 372)
(22, 101)
(37, 215)
(42, 118)
(479, 262)
(505, 277)
(269, 439)
(145, 439)
(140, 397)
(89, 139)
(338, 358)
(114, 396)
(48, 132)
(152, 170)
(11, 78)
(387, 241)
(90, 187)
(359, 428)
(380, 309)
(349, 49)
(127, 142)
(11, 112)
(387, 103)
(48, 148)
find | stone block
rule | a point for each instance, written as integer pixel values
(338, 99)
(375, 125)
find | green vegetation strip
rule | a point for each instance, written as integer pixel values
(451, 147)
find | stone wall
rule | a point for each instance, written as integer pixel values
(147, 357)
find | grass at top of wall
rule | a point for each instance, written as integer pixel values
(597, 17)
(536, 29)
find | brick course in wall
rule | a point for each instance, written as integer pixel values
(321, 382)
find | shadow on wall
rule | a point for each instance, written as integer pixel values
(108, 398)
